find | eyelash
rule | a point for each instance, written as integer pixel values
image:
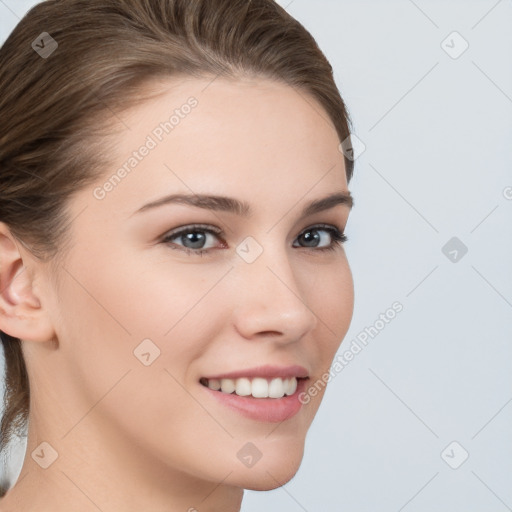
(338, 237)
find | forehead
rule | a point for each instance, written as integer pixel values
(252, 138)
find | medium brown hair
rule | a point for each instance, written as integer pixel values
(57, 110)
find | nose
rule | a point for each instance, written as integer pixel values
(272, 299)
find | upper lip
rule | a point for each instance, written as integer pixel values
(265, 371)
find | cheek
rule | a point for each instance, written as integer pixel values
(132, 336)
(140, 298)
(332, 300)
(108, 310)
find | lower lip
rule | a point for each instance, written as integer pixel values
(270, 410)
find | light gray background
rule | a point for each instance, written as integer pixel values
(438, 137)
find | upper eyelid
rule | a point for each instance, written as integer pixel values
(193, 227)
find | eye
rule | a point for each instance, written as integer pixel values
(193, 238)
(331, 238)
(196, 239)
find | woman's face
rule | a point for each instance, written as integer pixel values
(150, 310)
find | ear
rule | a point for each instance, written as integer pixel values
(22, 314)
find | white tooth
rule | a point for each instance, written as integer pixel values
(276, 388)
(290, 385)
(214, 384)
(227, 385)
(259, 388)
(243, 387)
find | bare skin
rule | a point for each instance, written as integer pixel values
(130, 436)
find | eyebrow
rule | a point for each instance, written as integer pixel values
(241, 208)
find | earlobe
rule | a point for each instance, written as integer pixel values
(21, 312)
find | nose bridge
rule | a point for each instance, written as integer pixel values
(272, 299)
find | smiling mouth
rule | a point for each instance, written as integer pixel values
(257, 387)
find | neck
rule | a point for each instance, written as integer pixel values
(104, 473)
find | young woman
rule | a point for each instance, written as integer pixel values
(173, 285)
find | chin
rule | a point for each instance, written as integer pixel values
(267, 483)
(276, 471)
